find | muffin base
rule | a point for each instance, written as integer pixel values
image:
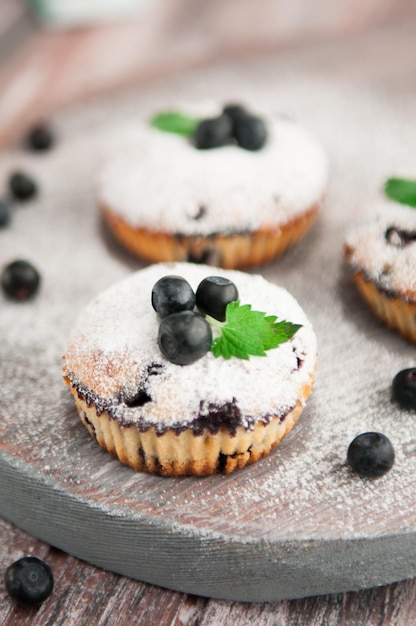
(184, 453)
(230, 251)
(398, 313)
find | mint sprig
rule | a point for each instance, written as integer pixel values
(175, 122)
(246, 332)
(401, 190)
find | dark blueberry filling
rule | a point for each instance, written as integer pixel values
(389, 293)
(228, 415)
(224, 458)
(210, 418)
(222, 461)
(154, 369)
(399, 237)
(201, 212)
(299, 362)
(209, 253)
(90, 397)
(206, 256)
(140, 399)
(196, 237)
(90, 425)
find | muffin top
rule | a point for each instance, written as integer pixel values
(161, 181)
(383, 247)
(113, 358)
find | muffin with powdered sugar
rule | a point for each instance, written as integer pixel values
(233, 190)
(381, 251)
(190, 391)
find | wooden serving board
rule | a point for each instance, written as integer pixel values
(296, 524)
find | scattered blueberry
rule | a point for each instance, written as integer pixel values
(250, 132)
(20, 280)
(371, 455)
(40, 138)
(404, 388)
(172, 294)
(22, 187)
(29, 580)
(184, 337)
(213, 133)
(213, 295)
(4, 213)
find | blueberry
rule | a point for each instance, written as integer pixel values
(371, 455)
(22, 187)
(213, 295)
(172, 294)
(250, 132)
(213, 133)
(184, 337)
(40, 138)
(29, 580)
(20, 280)
(235, 112)
(404, 388)
(4, 213)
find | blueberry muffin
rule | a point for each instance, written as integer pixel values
(381, 251)
(239, 202)
(200, 416)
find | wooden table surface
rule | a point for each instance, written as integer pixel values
(83, 594)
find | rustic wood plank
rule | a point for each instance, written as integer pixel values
(86, 595)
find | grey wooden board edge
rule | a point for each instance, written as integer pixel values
(257, 571)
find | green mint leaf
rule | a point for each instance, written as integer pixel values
(246, 332)
(401, 190)
(175, 122)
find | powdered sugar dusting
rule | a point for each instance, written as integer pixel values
(115, 342)
(385, 260)
(159, 180)
(303, 490)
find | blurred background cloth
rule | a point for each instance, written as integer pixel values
(80, 12)
(224, 20)
(54, 52)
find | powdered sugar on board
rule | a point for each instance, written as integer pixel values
(304, 490)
